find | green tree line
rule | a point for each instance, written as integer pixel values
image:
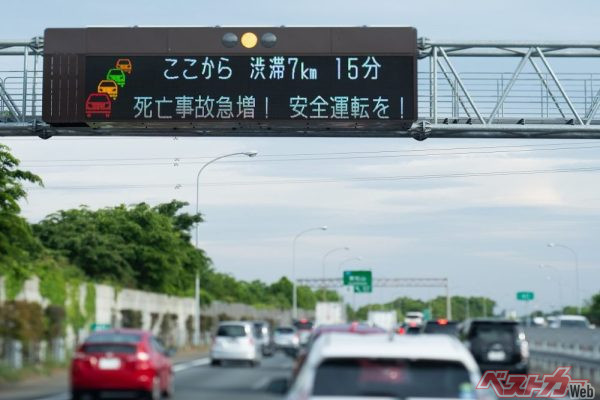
(138, 246)
(462, 307)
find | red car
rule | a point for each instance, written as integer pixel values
(122, 362)
(98, 103)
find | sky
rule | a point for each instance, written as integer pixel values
(486, 234)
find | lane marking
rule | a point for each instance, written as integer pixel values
(191, 364)
(176, 368)
(261, 383)
(61, 396)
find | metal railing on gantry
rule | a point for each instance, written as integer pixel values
(465, 89)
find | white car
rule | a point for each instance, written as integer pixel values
(235, 341)
(357, 366)
(286, 338)
(414, 318)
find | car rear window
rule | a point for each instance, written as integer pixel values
(258, 330)
(493, 332)
(285, 330)
(395, 378)
(109, 348)
(303, 325)
(434, 327)
(107, 83)
(573, 323)
(123, 338)
(231, 331)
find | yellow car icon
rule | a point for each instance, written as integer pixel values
(109, 87)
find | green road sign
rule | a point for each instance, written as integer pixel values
(525, 296)
(99, 327)
(363, 288)
(358, 278)
(361, 281)
(426, 314)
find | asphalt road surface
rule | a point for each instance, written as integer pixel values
(196, 380)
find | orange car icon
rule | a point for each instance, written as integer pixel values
(109, 87)
(124, 64)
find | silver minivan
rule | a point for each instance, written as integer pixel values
(235, 341)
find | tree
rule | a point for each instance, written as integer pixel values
(593, 312)
(17, 243)
(138, 246)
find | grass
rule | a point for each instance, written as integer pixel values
(12, 375)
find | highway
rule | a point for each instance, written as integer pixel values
(196, 380)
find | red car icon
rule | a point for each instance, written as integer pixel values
(98, 103)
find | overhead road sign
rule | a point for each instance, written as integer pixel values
(222, 81)
(525, 296)
(361, 281)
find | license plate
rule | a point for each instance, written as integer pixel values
(109, 363)
(496, 355)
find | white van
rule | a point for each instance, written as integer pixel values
(570, 321)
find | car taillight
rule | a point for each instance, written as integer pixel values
(401, 331)
(143, 356)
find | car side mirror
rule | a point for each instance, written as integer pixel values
(278, 386)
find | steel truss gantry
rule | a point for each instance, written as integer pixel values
(530, 101)
(563, 113)
(336, 283)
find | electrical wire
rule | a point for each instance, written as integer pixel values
(327, 180)
(179, 161)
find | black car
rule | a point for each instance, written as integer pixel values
(442, 326)
(497, 344)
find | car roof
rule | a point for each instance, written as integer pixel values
(432, 347)
(572, 317)
(235, 323)
(494, 320)
(351, 328)
(130, 331)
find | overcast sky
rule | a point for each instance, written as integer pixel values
(487, 234)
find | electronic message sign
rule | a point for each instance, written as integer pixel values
(220, 79)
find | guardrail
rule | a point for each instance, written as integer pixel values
(576, 348)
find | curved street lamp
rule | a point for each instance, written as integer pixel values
(295, 286)
(345, 248)
(576, 259)
(558, 282)
(196, 336)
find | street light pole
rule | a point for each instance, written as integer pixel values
(196, 337)
(557, 277)
(576, 259)
(294, 283)
(323, 264)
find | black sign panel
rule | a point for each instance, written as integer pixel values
(217, 80)
(201, 88)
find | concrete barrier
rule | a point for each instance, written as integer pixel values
(162, 314)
